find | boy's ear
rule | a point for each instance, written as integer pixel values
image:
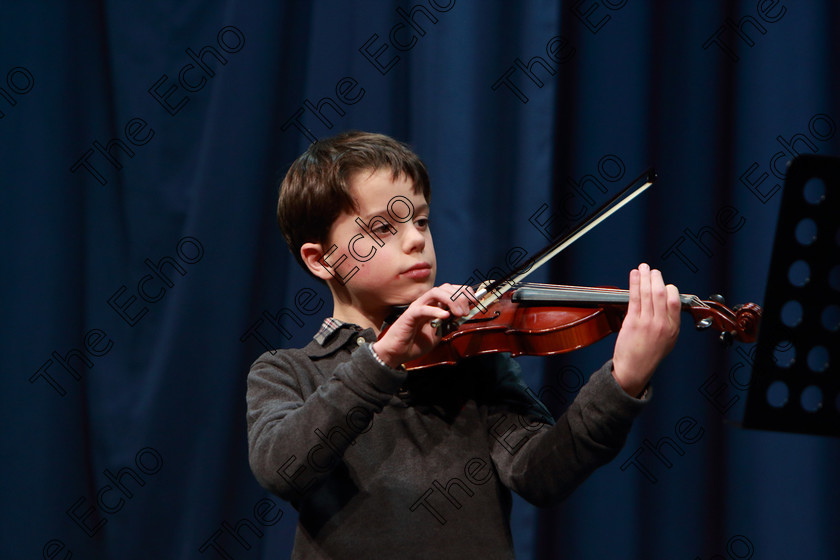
(312, 253)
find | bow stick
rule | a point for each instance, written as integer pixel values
(492, 292)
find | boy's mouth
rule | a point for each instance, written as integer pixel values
(419, 271)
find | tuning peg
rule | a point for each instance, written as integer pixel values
(704, 323)
(718, 298)
(726, 338)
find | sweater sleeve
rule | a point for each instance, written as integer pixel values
(544, 463)
(296, 436)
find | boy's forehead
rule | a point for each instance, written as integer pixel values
(373, 190)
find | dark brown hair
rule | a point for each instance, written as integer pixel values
(316, 189)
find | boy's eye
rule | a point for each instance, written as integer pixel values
(422, 223)
(383, 229)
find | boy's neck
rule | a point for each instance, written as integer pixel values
(350, 314)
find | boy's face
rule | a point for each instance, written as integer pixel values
(405, 267)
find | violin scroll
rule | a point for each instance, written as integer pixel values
(748, 317)
(740, 323)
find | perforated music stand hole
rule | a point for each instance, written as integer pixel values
(814, 190)
(806, 231)
(811, 398)
(792, 313)
(818, 359)
(777, 394)
(799, 273)
(784, 354)
(831, 318)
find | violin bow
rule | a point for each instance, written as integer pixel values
(493, 291)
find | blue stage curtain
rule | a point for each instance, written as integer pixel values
(143, 271)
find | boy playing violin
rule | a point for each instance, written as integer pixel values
(381, 463)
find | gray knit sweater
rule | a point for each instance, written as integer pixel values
(384, 464)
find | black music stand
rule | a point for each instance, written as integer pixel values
(795, 384)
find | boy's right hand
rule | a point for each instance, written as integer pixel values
(412, 335)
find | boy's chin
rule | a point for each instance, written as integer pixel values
(413, 292)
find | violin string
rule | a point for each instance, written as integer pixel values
(587, 293)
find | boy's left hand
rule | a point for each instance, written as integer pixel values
(649, 330)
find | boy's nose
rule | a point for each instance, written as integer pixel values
(414, 240)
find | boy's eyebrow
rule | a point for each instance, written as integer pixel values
(421, 209)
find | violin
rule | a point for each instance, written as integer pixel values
(545, 319)
(521, 318)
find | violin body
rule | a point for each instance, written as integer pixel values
(523, 330)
